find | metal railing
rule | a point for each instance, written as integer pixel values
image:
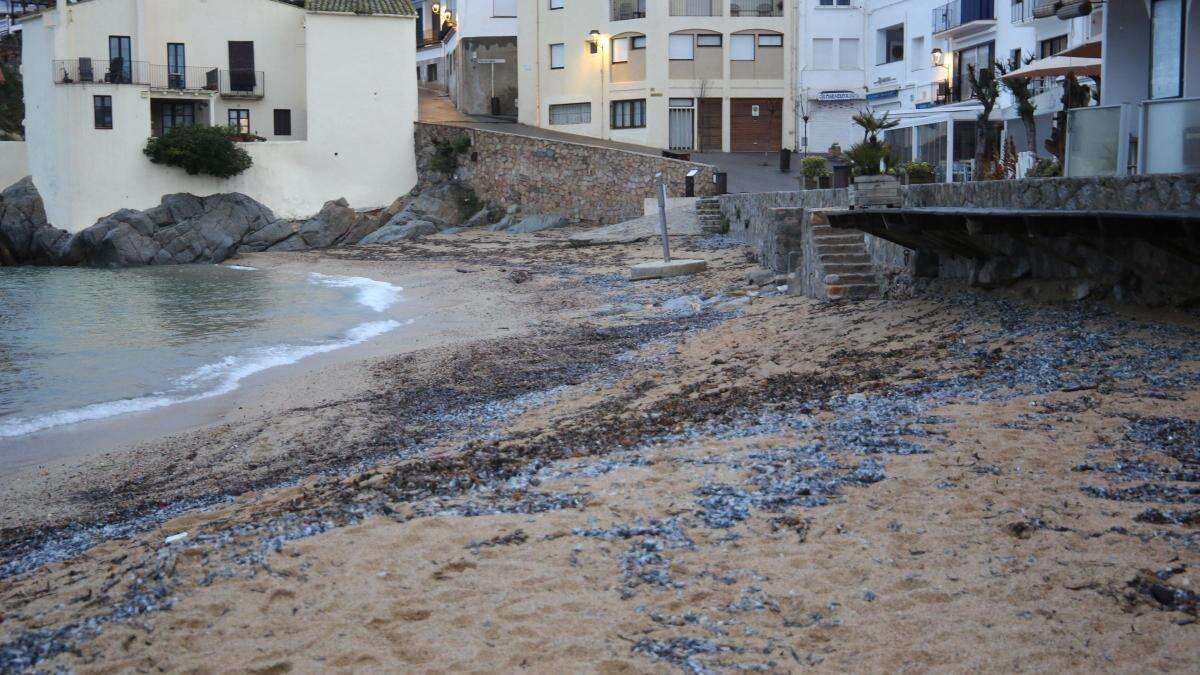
(623, 10)
(932, 95)
(961, 12)
(696, 7)
(93, 71)
(1022, 12)
(184, 79)
(756, 8)
(243, 83)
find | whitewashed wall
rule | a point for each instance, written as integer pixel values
(361, 107)
(14, 162)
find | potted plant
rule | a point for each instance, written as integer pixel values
(872, 186)
(919, 173)
(816, 172)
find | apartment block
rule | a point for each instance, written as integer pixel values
(689, 75)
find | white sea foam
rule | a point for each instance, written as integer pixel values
(378, 295)
(241, 267)
(226, 375)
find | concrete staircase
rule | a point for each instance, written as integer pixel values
(708, 211)
(842, 261)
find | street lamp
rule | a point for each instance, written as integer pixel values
(435, 8)
(938, 56)
(594, 40)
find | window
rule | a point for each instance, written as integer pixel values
(848, 51)
(890, 43)
(1166, 48)
(240, 120)
(176, 66)
(558, 56)
(979, 56)
(823, 53)
(1014, 56)
(639, 42)
(920, 56)
(1052, 46)
(556, 4)
(831, 3)
(682, 103)
(770, 40)
(283, 122)
(504, 8)
(741, 47)
(629, 114)
(431, 72)
(682, 47)
(620, 50)
(708, 40)
(571, 113)
(177, 114)
(102, 109)
(120, 63)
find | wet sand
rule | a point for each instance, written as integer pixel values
(950, 481)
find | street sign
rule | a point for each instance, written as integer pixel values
(487, 61)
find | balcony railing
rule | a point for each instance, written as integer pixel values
(1022, 12)
(962, 12)
(95, 71)
(184, 79)
(756, 8)
(623, 10)
(243, 83)
(696, 7)
(932, 95)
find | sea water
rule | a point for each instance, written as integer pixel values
(81, 344)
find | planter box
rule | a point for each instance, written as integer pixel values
(874, 191)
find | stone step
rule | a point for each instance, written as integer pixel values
(838, 239)
(852, 292)
(841, 249)
(850, 280)
(844, 258)
(865, 269)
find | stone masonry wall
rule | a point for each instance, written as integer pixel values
(585, 183)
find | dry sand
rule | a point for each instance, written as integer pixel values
(948, 482)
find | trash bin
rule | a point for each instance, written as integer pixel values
(785, 160)
(495, 106)
(721, 179)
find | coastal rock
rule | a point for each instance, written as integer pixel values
(401, 232)
(481, 218)
(329, 225)
(503, 224)
(441, 205)
(538, 223)
(24, 233)
(265, 238)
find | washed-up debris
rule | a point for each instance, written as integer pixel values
(176, 537)
(685, 653)
(514, 538)
(1155, 588)
(1170, 517)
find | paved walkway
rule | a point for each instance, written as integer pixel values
(748, 171)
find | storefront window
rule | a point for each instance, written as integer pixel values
(931, 147)
(1166, 48)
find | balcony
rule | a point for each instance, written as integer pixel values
(932, 95)
(175, 78)
(624, 10)
(95, 71)
(745, 8)
(962, 17)
(243, 84)
(696, 7)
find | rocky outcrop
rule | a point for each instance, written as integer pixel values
(182, 229)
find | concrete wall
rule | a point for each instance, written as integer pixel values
(359, 123)
(14, 162)
(474, 84)
(549, 176)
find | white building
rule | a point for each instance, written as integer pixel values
(707, 75)
(468, 50)
(324, 83)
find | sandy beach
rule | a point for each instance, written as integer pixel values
(564, 471)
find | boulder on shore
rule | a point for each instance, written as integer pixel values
(538, 223)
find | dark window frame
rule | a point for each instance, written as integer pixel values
(564, 55)
(237, 121)
(887, 44)
(1183, 39)
(284, 115)
(720, 40)
(635, 105)
(102, 120)
(1043, 52)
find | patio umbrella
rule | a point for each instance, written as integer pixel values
(1053, 66)
(1088, 50)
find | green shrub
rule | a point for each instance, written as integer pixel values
(815, 167)
(919, 172)
(200, 150)
(446, 152)
(866, 157)
(1045, 168)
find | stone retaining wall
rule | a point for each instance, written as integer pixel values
(585, 183)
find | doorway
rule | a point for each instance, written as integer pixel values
(710, 125)
(682, 112)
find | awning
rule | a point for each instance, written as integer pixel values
(1046, 9)
(1092, 49)
(1053, 66)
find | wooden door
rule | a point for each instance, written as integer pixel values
(710, 125)
(756, 124)
(241, 66)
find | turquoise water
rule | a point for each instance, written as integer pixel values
(84, 344)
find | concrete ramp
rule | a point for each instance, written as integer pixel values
(680, 220)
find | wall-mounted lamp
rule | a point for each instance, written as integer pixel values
(937, 55)
(448, 18)
(435, 8)
(594, 40)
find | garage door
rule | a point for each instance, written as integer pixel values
(756, 124)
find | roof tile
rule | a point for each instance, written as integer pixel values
(392, 7)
